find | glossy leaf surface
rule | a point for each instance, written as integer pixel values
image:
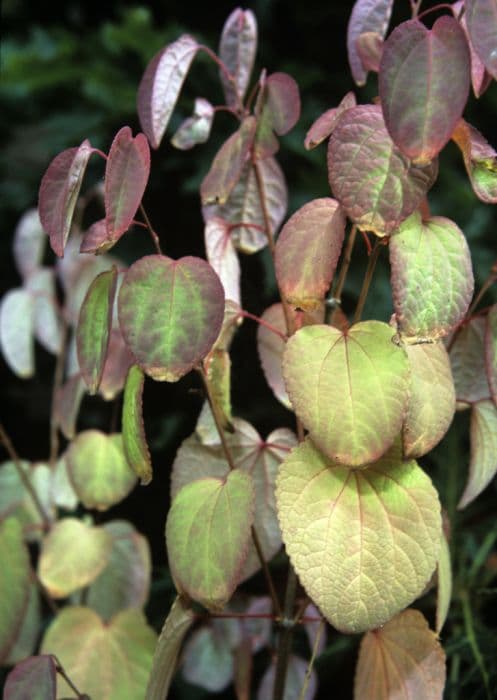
(134, 438)
(270, 348)
(367, 16)
(467, 357)
(170, 313)
(29, 242)
(324, 125)
(195, 129)
(16, 331)
(444, 585)
(483, 455)
(33, 678)
(480, 161)
(14, 583)
(481, 18)
(237, 50)
(491, 350)
(223, 257)
(350, 390)
(424, 83)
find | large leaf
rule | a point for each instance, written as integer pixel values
(222, 255)
(108, 661)
(432, 278)
(375, 183)
(350, 390)
(170, 313)
(237, 50)
(270, 348)
(16, 331)
(32, 679)
(99, 470)
(161, 84)
(72, 556)
(491, 350)
(29, 242)
(134, 438)
(363, 543)
(432, 399)
(14, 583)
(481, 19)
(403, 659)
(59, 191)
(324, 125)
(307, 252)
(424, 83)
(467, 357)
(480, 161)
(47, 321)
(483, 459)
(207, 536)
(367, 16)
(195, 129)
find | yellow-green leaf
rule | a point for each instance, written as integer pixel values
(134, 438)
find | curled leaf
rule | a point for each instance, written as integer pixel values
(279, 113)
(14, 583)
(367, 16)
(324, 125)
(480, 161)
(270, 348)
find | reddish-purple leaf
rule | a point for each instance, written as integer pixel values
(280, 112)
(95, 240)
(59, 191)
(369, 46)
(367, 16)
(67, 402)
(119, 360)
(324, 125)
(161, 84)
(481, 18)
(16, 331)
(467, 357)
(228, 164)
(195, 129)
(307, 252)
(271, 347)
(483, 455)
(295, 678)
(480, 161)
(32, 679)
(424, 85)
(374, 182)
(29, 242)
(237, 50)
(223, 257)
(480, 79)
(491, 350)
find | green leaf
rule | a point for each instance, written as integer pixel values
(278, 109)
(483, 456)
(349, 389)
(108, 661)
(491, 350)
(444, 585)
(16, 331)
(467, 357)
(14, 583)
(72, 556)
(364, 543)
(432, 278)
(15, 499)
(170, 313)
(134, 438)
(367, 16)
(207, 536)
(404, 654)
(94, 325)
(98, 469)
(29, 631)
(33, 678)
(480, 161)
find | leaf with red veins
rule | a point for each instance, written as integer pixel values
(367, 16)
(483, 453)
(223, 257)
(481, 19)
(480, 161)
(237, 50)
(270, 348)
(324, 125)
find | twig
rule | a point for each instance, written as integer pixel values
(60, 670)
(311, 661)
(286, 636)
(373, 258)
(262, 322)
(347, 257)
(229, 77)
(155, 237)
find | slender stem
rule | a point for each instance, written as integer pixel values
(255, 616)
(470, 634)
(347, 257)
(4, 438)
(60, 670)
(373, 258)
(311, 661)
(491, 279)
(267, 574)
(286, 636)
(57, 383)
(155, 237)
(262, 322)
(435, 8)
(415, 5)
(100, 153)
(229, 77)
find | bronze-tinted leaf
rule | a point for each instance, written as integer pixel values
(95, 239)
(117, 364)
(483, 457)
(480, 161)
(367, 16)
(481, 18)
(369, 46)
(467, 357)
(237, 50)
(480, 78)
(279, 112)
(324, 125)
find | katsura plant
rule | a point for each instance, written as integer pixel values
(343, 496)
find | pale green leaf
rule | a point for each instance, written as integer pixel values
(483, 458)
(16, 500)
(16, 332)
(14, 583)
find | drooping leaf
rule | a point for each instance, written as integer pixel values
(480, 78)
(170, 313)
(363, 542)
(402, 659)
(294, 680)
(32, 679)
(119, 360)
(432, 399)
(109, 661)
(197, 128)
(134, 438)
(369, 46)
(126, 176)
(72, 556)
(424, 83)
(14, 583)
(161, 84)
(217, 366)
(480, 160)
(16, 500)
(270, 348)
(16, 331)
(307, 252)
(98, 469)
(67, 402)
(59, 191)
(177, 624)
(223, 257)
(491, 350)
(374, 182)
(481, 19)
(27, 637)
(207, 536)
(279, 112)
(47, 321)
(444, 585)
(324, 125)
(29, 242)
(432, 277)
(483, 455)
(237, 50)
(367, 16)
(467, 358)
(228, 164)
(208, 660)
(94, 325)
(351, 392)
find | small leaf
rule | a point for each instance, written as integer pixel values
(126, 176)
(223, 257)
(98, 469)
(67, 402)
(432, 278)
(369, 46)
(161, 85)
(280, 111)
(96, 240)
(111, 661)
(481, 18)
(208, 660)
(33, 679)
(404, 656)
(16, 332)
(237, 50)
(351, 392)
(119, 360)
(29, 242)
(72, 556)
(217, 366)
(203, 514)
(170, 313)
(324, 125)
(467, 357)
(480, 160)
(134, 438)
(27, 637)
(59, 191)
(46, 314)
(424, 85)
(374, 182)
(367, 16)
(491, 350)
(94, 325)
(177, 624)
(444, 585)
(294, 681)
(483, 459)
(480, 79)
(307, 252)
(270, 348)
(14, 583)
(365, 542)
(197, 128)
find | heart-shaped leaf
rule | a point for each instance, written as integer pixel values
(324, 125)
(111, 660)
(270, 347)
(237, 50)
(197, 128)
(367, 16)
(33, 678)
(467, 357)
(424, 83)
(374, 182)
(222, 255)
(170, 313)
(16, 331)
(483, 457)
(444, 585)
(481, 19)
(404, 656)
(14, 583)
(432, 278)
(29, 243)
(349, 389)
(134, 438)
(480, 161)
(161, 85)
(363, 543)
(491, 350)
(207, 536)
